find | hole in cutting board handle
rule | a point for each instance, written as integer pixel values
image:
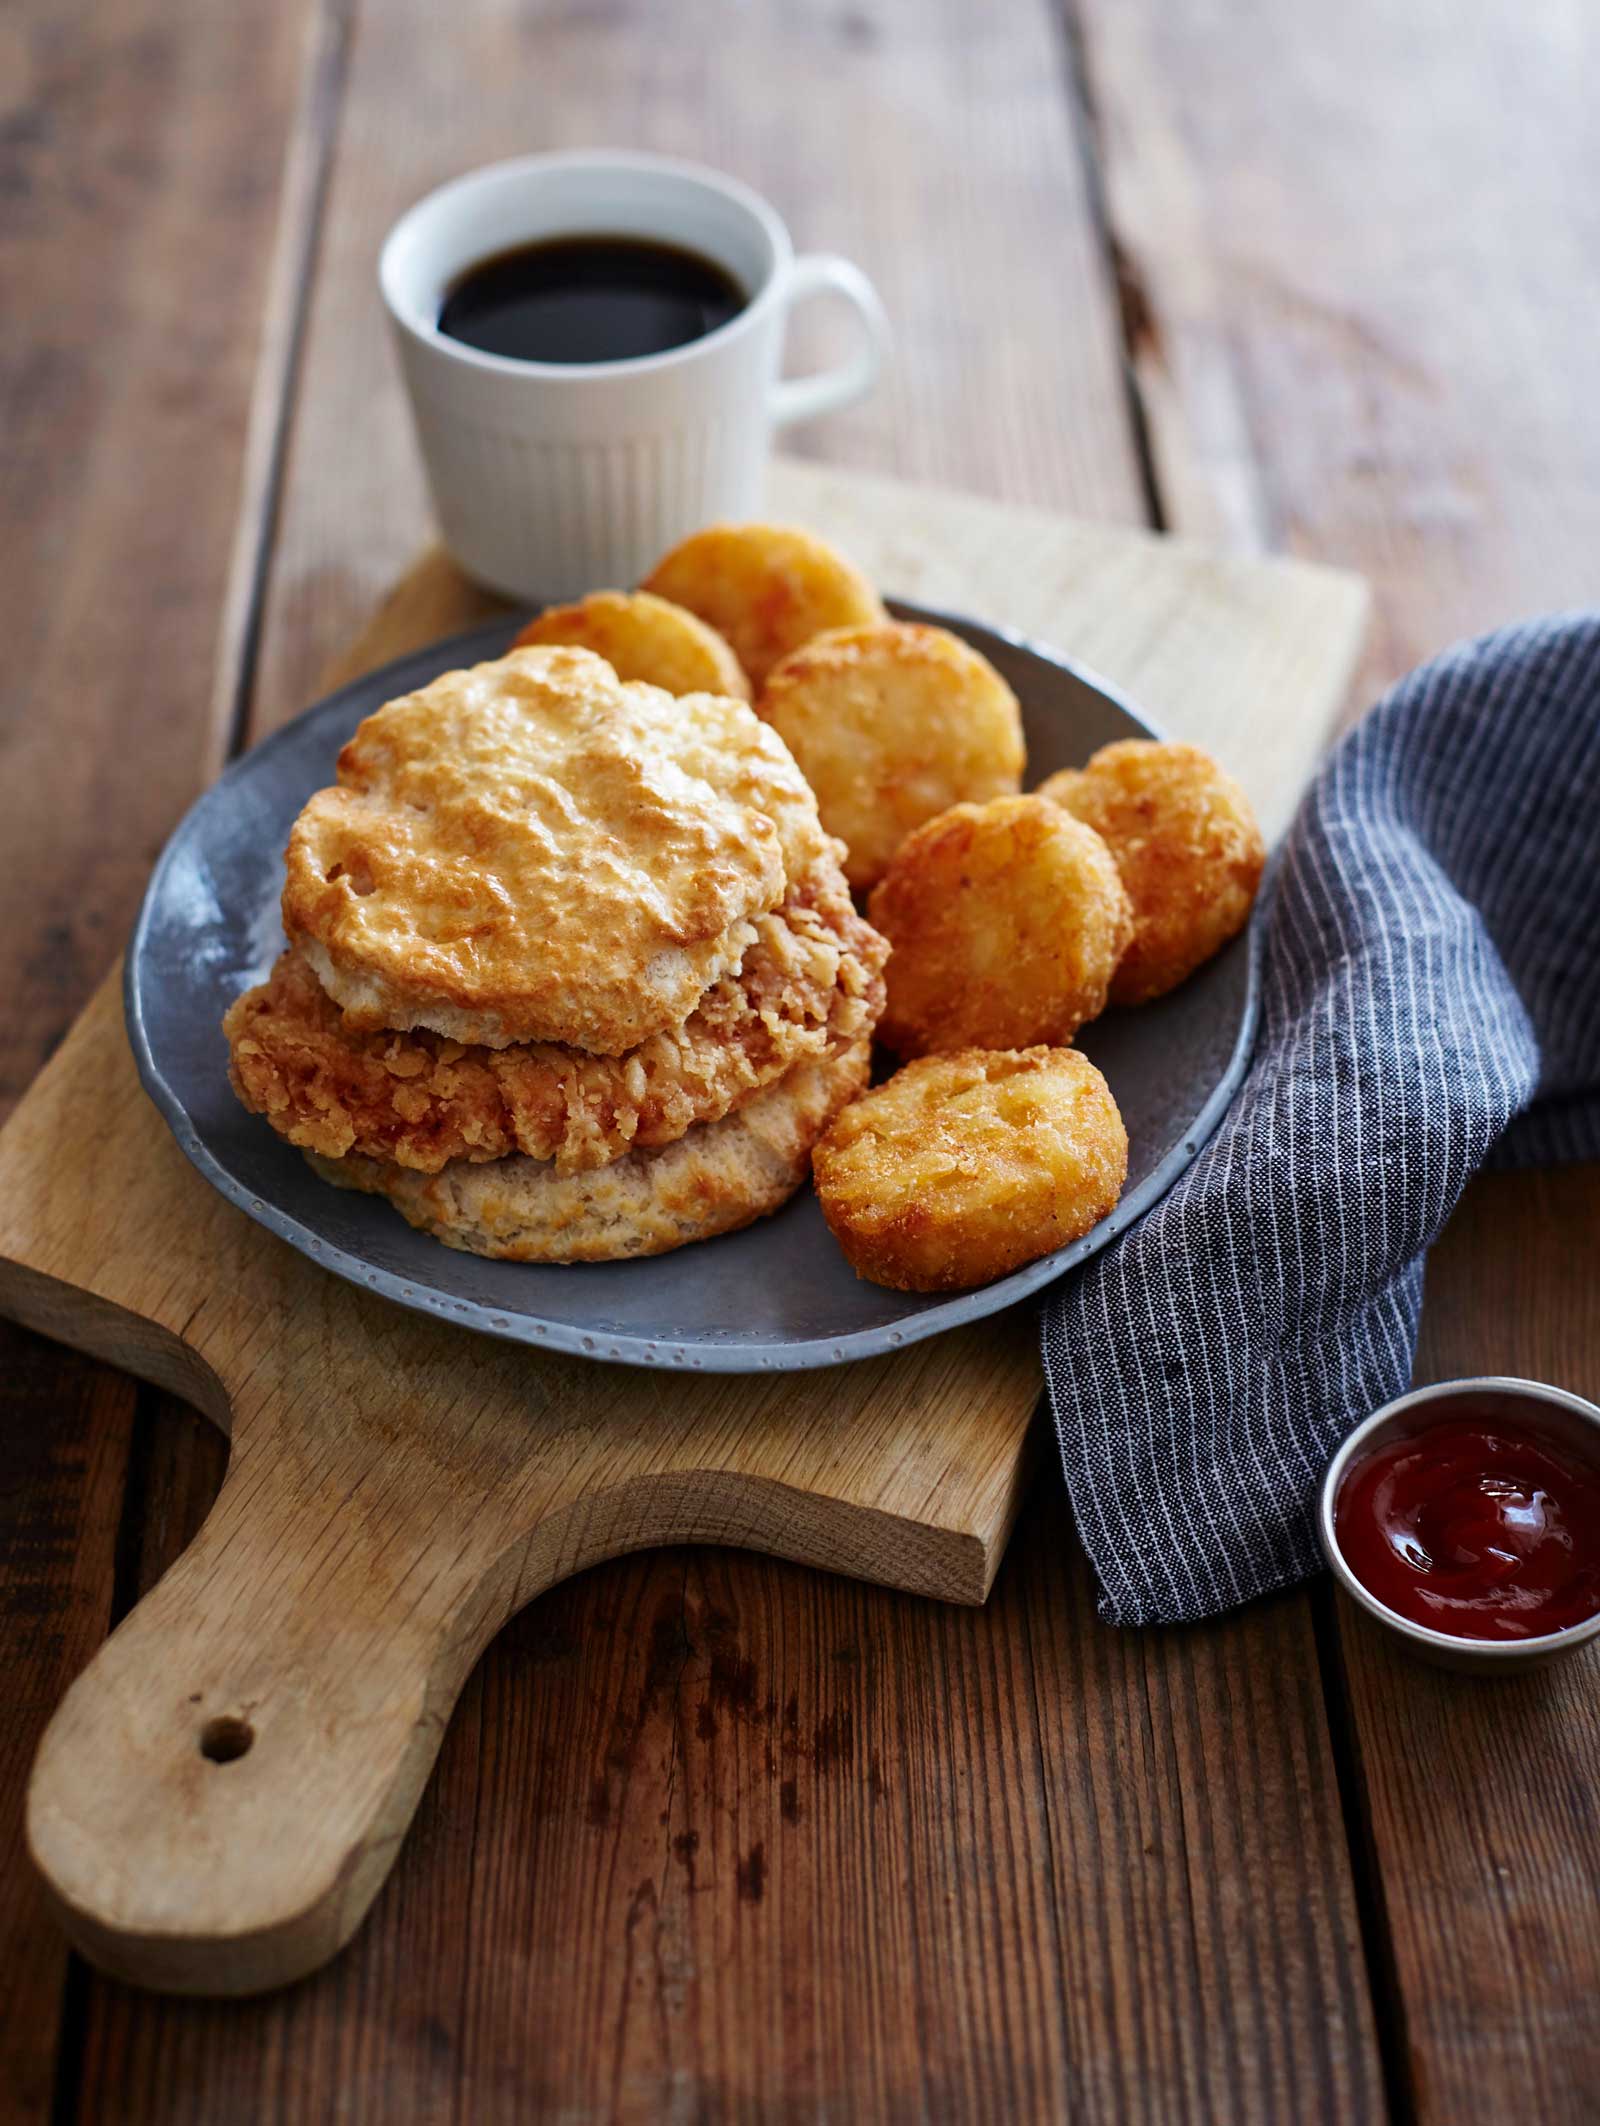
(226, 1738)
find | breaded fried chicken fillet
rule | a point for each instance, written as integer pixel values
(810, 984)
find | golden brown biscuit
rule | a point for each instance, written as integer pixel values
(1005, 923)
(811, 984)
(717, 1177)
(643, 637)
(765, 587)
(1188, 848)
(534, 850)
(962, 1168)
(891, 725)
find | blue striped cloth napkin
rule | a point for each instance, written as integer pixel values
(1431, 1001)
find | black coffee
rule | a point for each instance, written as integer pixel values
(589, 299)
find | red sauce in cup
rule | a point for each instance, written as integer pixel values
(1476, 1528)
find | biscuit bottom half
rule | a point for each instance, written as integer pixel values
(717, 1177)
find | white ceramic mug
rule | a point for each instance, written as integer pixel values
(550, 479)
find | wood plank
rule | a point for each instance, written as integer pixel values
(868, 128)
(133, 256)
(805, 1830)
(1355, 322)
(139, 224)
(62, 1469)
(695, 1717)
(1215, 1968)
(1480, 1801)
(1358, 264)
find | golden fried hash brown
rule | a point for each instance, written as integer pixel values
(811, 984)
(765, 587)
(891, 725)
(714, 1179)
(1188, 848)
(963, 1167)
(534, 850)
(1005, 923)
(644, 637)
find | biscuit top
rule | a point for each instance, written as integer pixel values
(535, 850)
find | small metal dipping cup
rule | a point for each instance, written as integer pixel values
(1550, 1413)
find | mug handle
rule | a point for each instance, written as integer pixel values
(802, 398)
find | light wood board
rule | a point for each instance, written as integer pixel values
(397, 1489)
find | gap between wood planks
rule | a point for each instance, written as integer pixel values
(307, 166)
(1137, 325)
(307, 163)
(1129, 304)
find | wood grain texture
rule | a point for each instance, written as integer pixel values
(749, 1842)
(137, 228)
(65, 1462)
(370, 1539)
(1352, 242)
(138, 218)
(1480, 1801)
(1193, 1802)
(944, 161)
(1357, 251)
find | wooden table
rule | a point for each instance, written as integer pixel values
(1313, 278)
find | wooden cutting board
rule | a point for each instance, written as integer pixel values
(223, 1791)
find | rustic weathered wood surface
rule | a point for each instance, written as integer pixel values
(1007, 1862)
(400, 1488)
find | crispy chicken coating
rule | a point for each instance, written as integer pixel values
(714, 1179)
(811, 984)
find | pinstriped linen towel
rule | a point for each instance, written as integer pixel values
(1431, 1001)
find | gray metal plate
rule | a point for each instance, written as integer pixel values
(778, 1295)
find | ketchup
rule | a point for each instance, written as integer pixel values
(1476, 1528)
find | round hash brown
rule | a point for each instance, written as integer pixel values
(766, 588)
(1188, 848)
(961, 1168)
(643, 637)
(1005, 924)
(892, 725)
(535, 850)
(811, 984)
(715, 1178)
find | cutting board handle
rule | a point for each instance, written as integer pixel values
(221, 1793)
